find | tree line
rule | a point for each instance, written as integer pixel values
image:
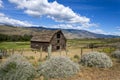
(4, 37)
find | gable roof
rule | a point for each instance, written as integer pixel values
(44, 35)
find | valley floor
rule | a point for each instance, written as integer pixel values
(95, 74)
(86, 73)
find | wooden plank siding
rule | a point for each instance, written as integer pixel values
(58, 42)
(56, 39)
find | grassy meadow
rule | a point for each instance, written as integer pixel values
(15, 45)
(74, 53)
(73, 43)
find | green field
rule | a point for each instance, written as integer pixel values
(73, 43)
(15, 45)
(77, 43)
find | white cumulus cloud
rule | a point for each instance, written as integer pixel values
(73, 26)
(1, 4)
(118, 28)
(53, 10)
(63, 26)
(99, 31)
(116, 33)
(6, 20)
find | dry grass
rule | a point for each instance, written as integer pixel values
(95, 74)
(98, 74)
(71, 53)
(85, 74)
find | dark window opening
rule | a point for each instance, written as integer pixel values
(58, 47)
(58, 41)
(58, 35)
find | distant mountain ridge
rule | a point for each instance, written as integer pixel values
(69, 33)
(78, 34)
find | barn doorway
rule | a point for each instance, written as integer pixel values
(57, 47)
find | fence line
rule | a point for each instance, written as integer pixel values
(7, 52)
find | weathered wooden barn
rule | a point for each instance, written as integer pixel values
(55, 38)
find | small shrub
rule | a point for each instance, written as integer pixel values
(96, 59)
(108, 50)
(16, 68)
(58, 67)
(30, 57)
(116, 54)
(76, 57)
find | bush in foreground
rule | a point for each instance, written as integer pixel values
(96, 59)
(58, 67)
(16, 68)
(116, 54)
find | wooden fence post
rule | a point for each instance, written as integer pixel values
(81, 52)
(13, 51)
(40, 53)
(5, 52)
(66, 51)
(60, 51)
(1, 55)
(49, 51)
(9, 51)
(22, 50)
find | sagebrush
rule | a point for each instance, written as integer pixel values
(116, 54)
(58, 67)
(96, 59)
(16, 68)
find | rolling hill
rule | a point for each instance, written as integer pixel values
(69, 33)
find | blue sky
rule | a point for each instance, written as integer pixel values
(99, 16)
